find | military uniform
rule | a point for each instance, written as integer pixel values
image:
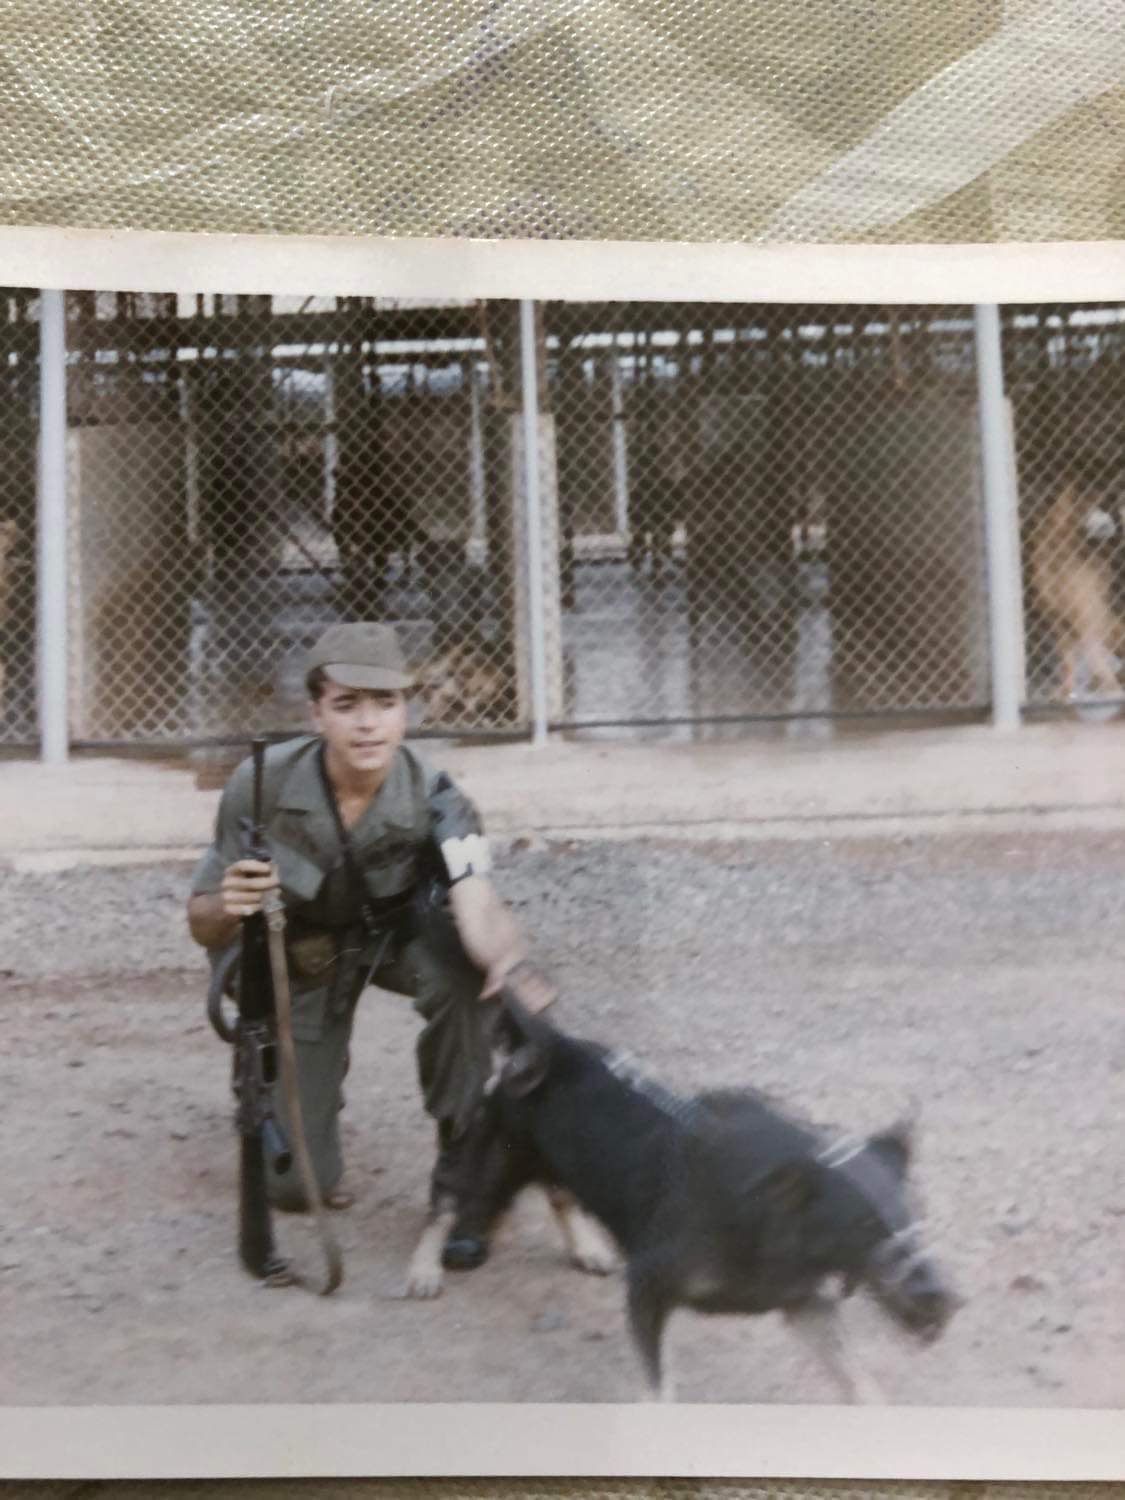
(417, 826)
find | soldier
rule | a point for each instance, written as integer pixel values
(383, 868)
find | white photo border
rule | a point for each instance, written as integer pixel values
(568, 270)
(465, 1440)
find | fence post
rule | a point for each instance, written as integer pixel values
(536, 561)
(478, 529)
(1001, 516)
(620, 450)
(51, 530)
(331, 440)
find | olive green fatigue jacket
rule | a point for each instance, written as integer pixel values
(418, 822)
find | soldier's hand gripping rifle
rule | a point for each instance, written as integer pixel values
(263, 1039)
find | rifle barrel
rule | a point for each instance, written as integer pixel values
(258, 748)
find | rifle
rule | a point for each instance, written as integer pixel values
(255, 1071)
(265, 1039)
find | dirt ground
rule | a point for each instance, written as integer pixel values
(981, 975)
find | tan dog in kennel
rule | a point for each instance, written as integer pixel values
(463, 687)
(1073, 580)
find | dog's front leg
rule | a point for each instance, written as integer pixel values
(817, 1323)
(586, 1241)
(424, 1274)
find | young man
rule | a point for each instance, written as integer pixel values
(359, 828)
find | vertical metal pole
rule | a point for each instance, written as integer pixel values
(1001, 515)
(331, 440)
(537, 623)
(479, 528)
(191, 458)
(620, 450)
(51, 528)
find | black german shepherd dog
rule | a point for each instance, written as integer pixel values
(720, 1203)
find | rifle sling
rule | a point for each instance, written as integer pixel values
(275, 925)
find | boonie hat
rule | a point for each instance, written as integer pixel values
(361, 655)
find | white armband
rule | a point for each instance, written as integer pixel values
(466, 856)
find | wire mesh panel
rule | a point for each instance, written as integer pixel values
(749, 511)
(767, 510)
(247, 470)
(1065, 371)
(19, 407)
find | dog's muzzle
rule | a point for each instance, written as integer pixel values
(906, 1281)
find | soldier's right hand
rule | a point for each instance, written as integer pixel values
(244, 885)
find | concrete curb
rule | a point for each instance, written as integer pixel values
(102, 811)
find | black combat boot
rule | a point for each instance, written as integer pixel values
(466, 1245)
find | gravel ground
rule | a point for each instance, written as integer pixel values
(980, 975)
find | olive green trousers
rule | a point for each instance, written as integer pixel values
(453, 1056)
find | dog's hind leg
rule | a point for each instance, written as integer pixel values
(817, 1322)
(424, 1274)
(648, 1315)
(587, 1243)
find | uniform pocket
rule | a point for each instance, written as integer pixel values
(301, 877)
(310, 1007)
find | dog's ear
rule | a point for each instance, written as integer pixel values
(524, 1070)
(506, 1034)
(790, 1187)
(896, 1144)
(529, 1026)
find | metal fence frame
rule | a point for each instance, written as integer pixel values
(999, 489)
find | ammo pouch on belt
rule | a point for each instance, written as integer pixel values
(312, 955)
(326, 970)
(329, 967)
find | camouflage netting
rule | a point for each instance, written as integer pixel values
(965, 120)
(781, 120)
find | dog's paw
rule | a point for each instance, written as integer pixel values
(424, 1273)
(591, 1249)
(423, 1282)
(597, 1262)
(588, 1245)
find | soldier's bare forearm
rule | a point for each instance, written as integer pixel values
(486, 926)
(208, 921)
(494, 942)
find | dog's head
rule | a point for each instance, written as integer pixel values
(523, 1046)
(893, 1259)
(854, 1208)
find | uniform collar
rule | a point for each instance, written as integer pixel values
(301, 789)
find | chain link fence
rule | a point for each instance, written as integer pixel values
(19, 408)
(750, 512)
(768, 511)
(247, 470)
(1065, 374)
